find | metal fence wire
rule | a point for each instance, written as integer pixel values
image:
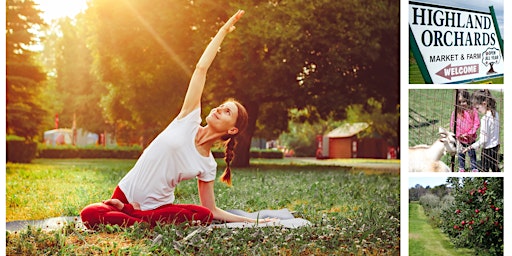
(430, 109)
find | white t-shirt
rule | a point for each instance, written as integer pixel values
(169, 159)
(489, 131)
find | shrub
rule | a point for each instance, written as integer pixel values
(429, 201)
(20, 151)
(255, 153)
(90, 152)
(128, 152)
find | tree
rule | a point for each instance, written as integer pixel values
(294, 54)
(24, 108)
(142, 56)
(384, 124)
(475, 219)
(78, 90)
(301, 135)
(317, 53)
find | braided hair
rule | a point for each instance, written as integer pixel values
(230, 141)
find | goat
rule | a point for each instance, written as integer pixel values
(425, 158)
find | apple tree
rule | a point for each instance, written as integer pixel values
(475, 219)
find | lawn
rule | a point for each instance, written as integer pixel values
(351, 211)
(425, 240)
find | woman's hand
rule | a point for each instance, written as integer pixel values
(266, 220)
(115, 202)
(136, 206)
(120, 205)
(230, 24)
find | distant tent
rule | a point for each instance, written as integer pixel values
(58, 137)
(65, 137)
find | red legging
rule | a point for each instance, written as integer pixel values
(100, 213)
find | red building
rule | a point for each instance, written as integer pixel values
(343, 142)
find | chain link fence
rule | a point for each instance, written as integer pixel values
(430, 109)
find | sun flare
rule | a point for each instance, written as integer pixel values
(55, 9)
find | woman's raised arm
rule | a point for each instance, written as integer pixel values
(196, 85)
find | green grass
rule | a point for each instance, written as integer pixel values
(351, 211)
(425, 240)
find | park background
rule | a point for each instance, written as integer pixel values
(122, 68)
(123, 71)
(240, 28)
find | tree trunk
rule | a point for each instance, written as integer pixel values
(242, 150)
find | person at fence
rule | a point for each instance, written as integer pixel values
(489, 136)
(181, 151)
(465, 127)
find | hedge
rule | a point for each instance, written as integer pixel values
(20, 151)
(130, 153)
(89, 153)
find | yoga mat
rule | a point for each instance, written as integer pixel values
(286, 219)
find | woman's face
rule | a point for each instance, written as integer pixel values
(223, 118)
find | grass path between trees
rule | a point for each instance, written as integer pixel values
(425, 240)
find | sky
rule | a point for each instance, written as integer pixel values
(426, 181)
(55, 9)
(476, 5)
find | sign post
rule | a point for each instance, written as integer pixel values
(453, 45)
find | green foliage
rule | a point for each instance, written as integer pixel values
(381, 123)
(306, 124)
(352, 213)
(20, 151)
(74, 86)
(24, 107)
(475, 220)
(429, 201)
(89, 152)
(144, 52)
(303, 127)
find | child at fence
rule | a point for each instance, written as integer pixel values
(465, 123)
(489, 137)
(180, 152)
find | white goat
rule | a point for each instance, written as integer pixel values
(425, 158)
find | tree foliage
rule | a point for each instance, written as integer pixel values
(475, 219)
(302, 133)
(24, 107)
(321, 54)
(78, 88)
